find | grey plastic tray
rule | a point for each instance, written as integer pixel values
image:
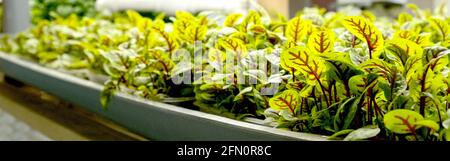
(155, 120)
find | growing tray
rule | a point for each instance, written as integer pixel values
(155, 120)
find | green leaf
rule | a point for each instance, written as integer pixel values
(347, 112)
(442, 27)
(357, 84)
(446, 124)
(365, 30)
(322, 41)
(242, 92)
(402, 121)
(297, 28)
(287, 115)
(301, 59)
(352, 107)
(363, 133)
(107, 93)
(447, 135)
(341, 66)
(232, 19)
(429, 124)
(287, 100)
(252, 18)
(342, 132)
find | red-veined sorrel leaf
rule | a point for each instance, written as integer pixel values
(379, 67)
(172, 45)
(442, 27)
(253, 17)
(304, 61)
(232, 19)
(429, 124)
(297, 29)
(234, 45)
(289, 99)
(403, 18)
(195, 33)
(404, 49)
(402, 121)
(134, 17)
(423, 40)
(322, 41)
(365, 30)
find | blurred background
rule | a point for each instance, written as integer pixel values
(19, 14)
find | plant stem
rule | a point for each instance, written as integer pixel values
(347, 88)
(330, 92)
(353, 41)
(314, 97)
(323, 92)
(369, 106)
(301, 106)
(422, 98)
(377, 108)
(335, 93)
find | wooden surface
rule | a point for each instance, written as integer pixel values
(57, 119)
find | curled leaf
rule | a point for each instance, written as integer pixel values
(363, 133)
(232, 19)
(442, 27)
(429, 124)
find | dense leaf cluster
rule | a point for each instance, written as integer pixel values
(50, 9)
(357, 76)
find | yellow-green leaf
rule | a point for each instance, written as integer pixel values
(144, 24)
(423, 40)
(233, 45)
(172, 45)
(258, 29)
(304, 61)
(215, 55)
(322, 41)
(357, 84)
(289, 99)
(195, 33)
(253, 17)
(365, 30)
(232, 19)
(402, 121)
(184, 15)
(369, 15)
(404, 17)
(182, 22)
(404, 34)
(404, 49)
(429, 124)
(134, 17)
(297, 29)
(442, 27)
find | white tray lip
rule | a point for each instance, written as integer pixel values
(161, 106)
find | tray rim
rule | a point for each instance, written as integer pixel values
(35, 67)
